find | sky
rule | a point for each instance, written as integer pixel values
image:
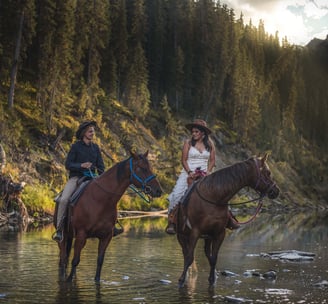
(299, 20)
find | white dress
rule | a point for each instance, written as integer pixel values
(195, 159)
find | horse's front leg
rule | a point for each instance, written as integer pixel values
(79, 244)
(64, 251)
(212, 247)
(102, 246)
(188, 243)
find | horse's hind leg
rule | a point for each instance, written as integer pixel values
(103, 243)
(78, 246)
(212, 247)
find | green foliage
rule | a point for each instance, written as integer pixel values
(135, 202)
(38, 198)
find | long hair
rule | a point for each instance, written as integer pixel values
(206, 139)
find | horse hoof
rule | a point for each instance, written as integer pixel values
(181, 284)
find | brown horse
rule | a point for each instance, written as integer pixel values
(95, 213)
(204, 211)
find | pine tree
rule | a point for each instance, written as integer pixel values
(137, 95)
(55, 36)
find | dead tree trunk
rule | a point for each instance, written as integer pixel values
(14, 67)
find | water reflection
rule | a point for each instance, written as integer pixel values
(143, 265)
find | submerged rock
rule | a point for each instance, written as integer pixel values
(228, 273)
(166, 282)
(271, 275)
(321, 284)
(252, 273)
(233, 299)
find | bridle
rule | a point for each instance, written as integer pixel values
(270, 184)
(145, 188)
(144, 182)
(260, 179)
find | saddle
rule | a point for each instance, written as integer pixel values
(78, 191)
(81, 185)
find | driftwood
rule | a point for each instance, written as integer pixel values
(122, 214)
(290, 255)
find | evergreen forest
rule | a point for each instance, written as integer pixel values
(155, 64)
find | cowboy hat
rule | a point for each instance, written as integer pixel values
(199, 124)
(80, 131)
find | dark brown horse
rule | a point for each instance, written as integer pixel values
(95, 212)
(204, 212)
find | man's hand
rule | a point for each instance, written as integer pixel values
(86, 165)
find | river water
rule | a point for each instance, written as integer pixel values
(143, 265)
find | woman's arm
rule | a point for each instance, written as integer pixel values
(211, 160)
(184, 156)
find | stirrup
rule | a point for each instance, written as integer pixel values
(232, 224)
(117, 231)
(170, 229)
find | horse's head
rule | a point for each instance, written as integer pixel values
(142, 176)
(265, 184)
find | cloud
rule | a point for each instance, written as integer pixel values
(298, 20)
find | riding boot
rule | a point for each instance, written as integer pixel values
(170, 228)
(232, 222)
(117, 231)
(58, 235)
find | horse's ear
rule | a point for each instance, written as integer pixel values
(146, 154)
(133, 154)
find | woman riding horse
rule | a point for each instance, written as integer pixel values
(205, 213)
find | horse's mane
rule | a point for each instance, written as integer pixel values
(120, 168)
(229, 177)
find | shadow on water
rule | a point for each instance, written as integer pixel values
(143, 265)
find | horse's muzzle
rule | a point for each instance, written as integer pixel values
(273, 192)
(156, 192)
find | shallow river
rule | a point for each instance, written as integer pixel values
(143, 265)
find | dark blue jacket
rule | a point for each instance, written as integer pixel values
(81, 153)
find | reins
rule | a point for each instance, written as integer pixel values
(228, 204)
(131, 186)
(140, 193)
(258, 208)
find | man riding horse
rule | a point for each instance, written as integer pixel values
(84, 159)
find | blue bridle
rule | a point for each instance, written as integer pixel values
(144, 187)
